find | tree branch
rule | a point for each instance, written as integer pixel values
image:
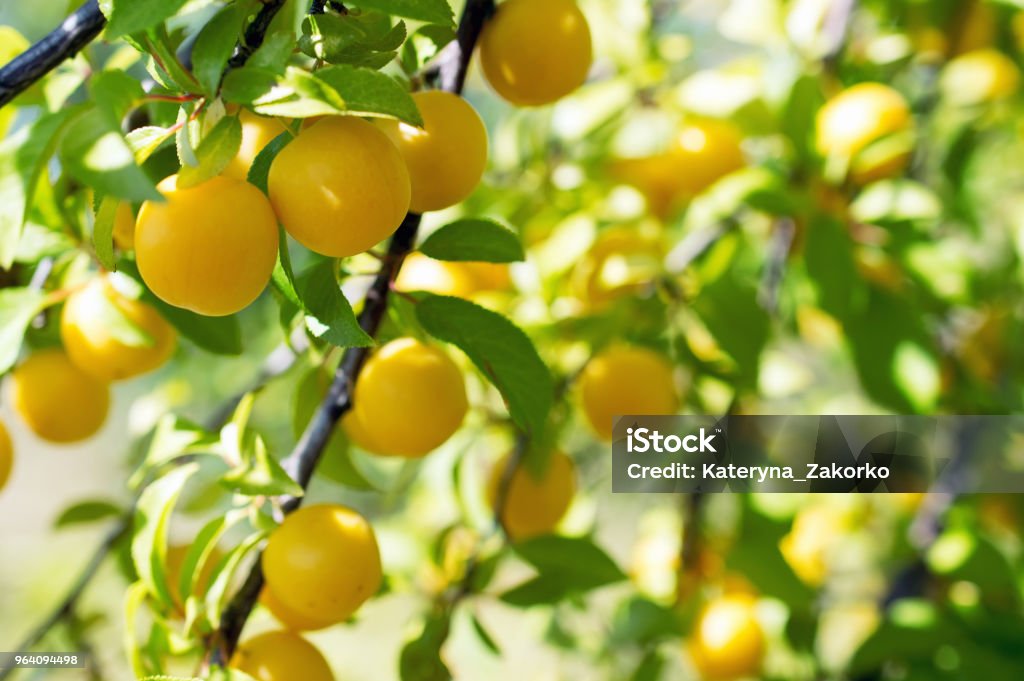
(65, 41)
(303, 460)
(255, 32)
(67, 606)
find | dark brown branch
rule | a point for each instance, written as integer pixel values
(255, 32)
(65, 41)
(303, 460)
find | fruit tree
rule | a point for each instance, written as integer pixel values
(316, 318)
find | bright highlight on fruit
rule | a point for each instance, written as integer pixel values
(58, 401)
(728, 641)
(534, 52)
(625, 380)
(281, 656)
(340, 187)
(257, 132)
(422, 384)
(858, 118)
(322, 563)
(92, 343)
(700, 154)
(533, 506)
(6, 455)
(980, 77)
(447, 156)
(210, 248)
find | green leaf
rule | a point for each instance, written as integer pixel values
(215, 43)
(430, 11)
(115, 93)
(214, 152)
(328, 313)
(96, 153)
(247, 84)
(259, 171)
(152, 518)
(499, 349)
(146, 140)
(200, 551)
(131, 16)
(371, 93)
(567, 566)
(420, 659)
(87, 512)
(103, 232)
(354, 38)
(173, 437)
(224, 573)
(259, 474)
(474, 240)
(18, 307)
(300, 94)
(639, 621)
(484, 635)
(576, 557)
(650, 667)
(23, 158)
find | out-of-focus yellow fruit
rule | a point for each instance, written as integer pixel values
(973, 27)
(700, 154)
(856, 119)
(6, 455)
(728, 641)
(533, 506)
(340, 187)
(209, 248)
(290, 619)
(930, 43)
(322, 563)
(124, 227)
(175, 561)
(447, 278)
(281, 656)
(12, 44)
(418, 381)
(421, 273)
(90, 343)
(620, 263)
(447, 156)
(58, 401)
(257, 132)
(980, 77)
(625, 380)
(535, 52)
(488, 276)
(815, 532)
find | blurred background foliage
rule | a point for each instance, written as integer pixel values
(790, 285)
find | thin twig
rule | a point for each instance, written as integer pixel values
(255, 32)
(67, 606)
(65, 41)
(779, 245)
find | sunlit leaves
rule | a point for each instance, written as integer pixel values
(129, 16)
(23, 158)
(18, 306)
